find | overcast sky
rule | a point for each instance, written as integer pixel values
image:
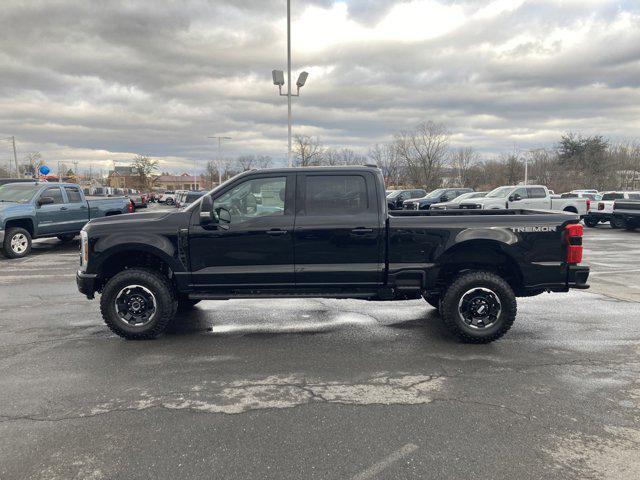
(100, 81)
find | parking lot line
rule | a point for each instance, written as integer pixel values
(376, 468)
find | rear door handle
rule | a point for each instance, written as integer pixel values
(361, 230)
(63, 208)
(276, 232)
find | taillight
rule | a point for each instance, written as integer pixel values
(600, 206)
(588, 204)
(130, 207)
(573, 239)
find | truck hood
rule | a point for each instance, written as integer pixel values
(130, 218)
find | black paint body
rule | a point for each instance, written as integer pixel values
(375, 254)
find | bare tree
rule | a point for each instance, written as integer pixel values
(32, 162)
(386, 157)
(308, 151)
(423, 151)
(462, 160)
(145, 167)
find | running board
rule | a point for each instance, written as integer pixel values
(230, 295)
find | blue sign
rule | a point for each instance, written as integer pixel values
(44, 170)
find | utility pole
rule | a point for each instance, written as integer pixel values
(220, 138)
(15, 155)
(526, 169)
(289, 80)
(59, 174)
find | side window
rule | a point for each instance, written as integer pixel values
(254, 198)
(536, 192)
(54, 193)
(73, 195)
(335, 195)
(634, 196)
(520, 191)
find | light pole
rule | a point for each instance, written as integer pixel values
(220, 138)
(278, 79)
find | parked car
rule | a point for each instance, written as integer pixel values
(530, 197)
(396, 198)
(441, 195)
(626, 214)
(604, 211)
(326, 232)
(184, 199)
(168, 197)
(455, 203)
(36, 210)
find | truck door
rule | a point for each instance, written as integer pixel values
(338, 231)
(50, 218)
(256, 250)
(77, 209)
(518, 199)
(538, 198)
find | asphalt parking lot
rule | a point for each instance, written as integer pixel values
(321, 388)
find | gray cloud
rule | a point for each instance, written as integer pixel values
(94, 81)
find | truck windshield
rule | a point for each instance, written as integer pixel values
(499, 192)
(436, 193)
(18, 192)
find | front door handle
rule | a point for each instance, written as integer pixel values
(276, 232)
(361, 230)
(63, 208)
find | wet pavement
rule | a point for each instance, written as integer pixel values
(321, 388)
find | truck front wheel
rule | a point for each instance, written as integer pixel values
(138, 304)
(478, 307)
(17, 243)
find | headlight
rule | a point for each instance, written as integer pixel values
(84, 250)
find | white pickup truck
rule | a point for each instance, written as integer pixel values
(529, 197)
(604, 211)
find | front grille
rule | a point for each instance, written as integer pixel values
(469, 206)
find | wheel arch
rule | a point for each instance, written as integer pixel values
(26, 223)
(479, 254)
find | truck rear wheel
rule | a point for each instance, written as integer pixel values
(617, 222)
(478, 307)
(138, 304)
(17, 243)
(591, 222)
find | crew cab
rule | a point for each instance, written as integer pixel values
(396, 198)
(604, 211)
(37, 210)
(529, 197)
(441, 195)
(325, 232)
(626, 213)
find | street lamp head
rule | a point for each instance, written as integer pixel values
(278, 77)
(302, 79)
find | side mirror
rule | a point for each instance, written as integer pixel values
(206, 210)
(515, 197)
(45, 201)
(444, 198)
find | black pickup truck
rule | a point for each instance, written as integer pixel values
(326, 232)
(627, 213)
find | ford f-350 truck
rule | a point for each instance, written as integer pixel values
(326, 232)
(38, 209)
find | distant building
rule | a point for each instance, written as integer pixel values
(123, 177)
(178, 182)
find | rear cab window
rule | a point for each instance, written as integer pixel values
(330, 195)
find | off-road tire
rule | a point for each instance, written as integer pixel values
(6, 245)
(166, 303)
(617, 223)
(452, 319)
(67, 237)
(591, 222)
